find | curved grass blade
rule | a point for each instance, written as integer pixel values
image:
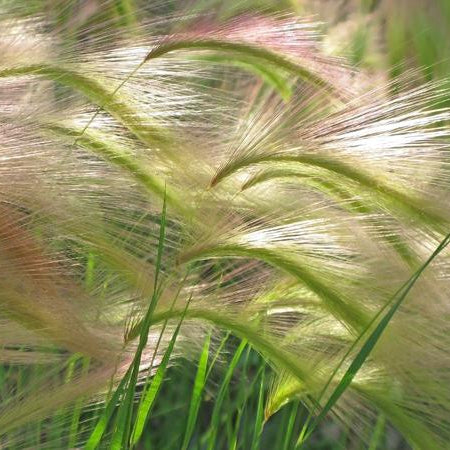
(97, 94)
(334, 189)
(270, 74)
(112, 153)
(240, 51)
(353, 316)
(244, 331)
(390, 196)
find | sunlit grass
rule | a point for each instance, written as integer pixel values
(214, 235)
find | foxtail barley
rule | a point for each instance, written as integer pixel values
(298, 200)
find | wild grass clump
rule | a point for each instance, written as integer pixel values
(169, 181)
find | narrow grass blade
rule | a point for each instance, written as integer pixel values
(248, 418)
(216, 355)
(199, 384)
(103, 422)
(152, 392)
(75, 420)
(234, 440)
(290, 427)
(377, 437)
(259, 419)
(215, 417)
(74, 424)
(371, 341)
(121, 435)
(127, 385)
